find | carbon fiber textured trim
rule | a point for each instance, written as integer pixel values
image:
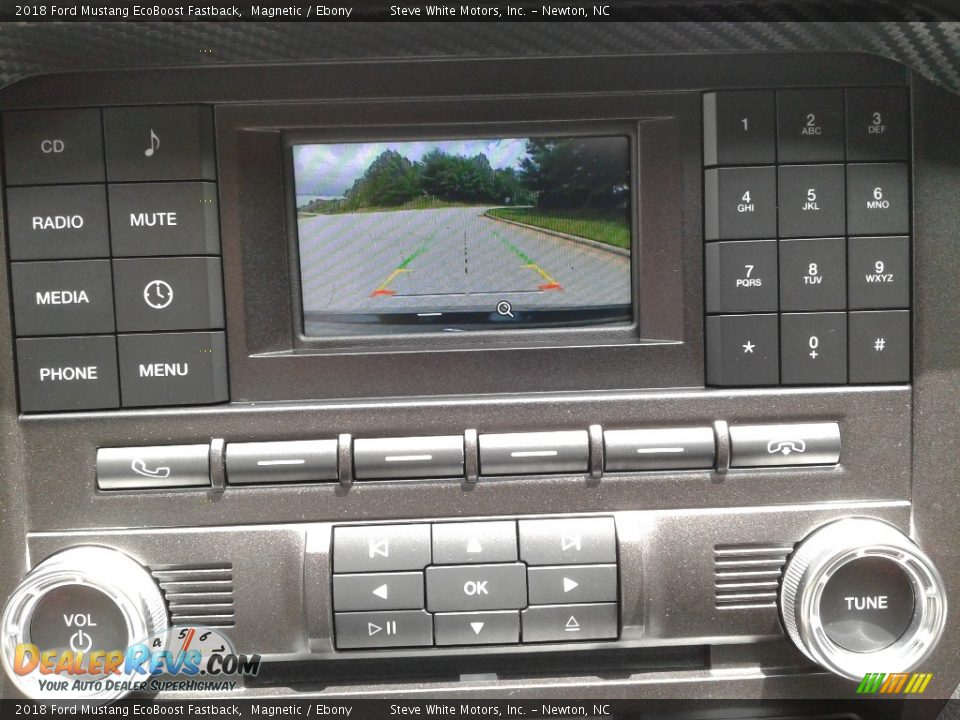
(929, 48)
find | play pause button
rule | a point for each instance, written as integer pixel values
(404, 628)
(483, 628)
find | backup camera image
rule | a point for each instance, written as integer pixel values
(461, 235)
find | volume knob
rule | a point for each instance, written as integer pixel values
(859, 595)
(78, 606)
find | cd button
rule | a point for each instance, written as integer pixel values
(658, 449)
(65, 221)
(474, 542)
(401, 628)
(160, 466)
(184, 293)
(57, 146)
(411, 457)
(173, 369)
(477, 628)
(159, 143)
(69, 373)
(378, 591)
(164, 219)
(813, 274)
(572, 584)
(375, 548)
(65, 297)
(742, 276)
(281, 462)
(534, 453)
(570, 623)
(574, 541)
(477, 587)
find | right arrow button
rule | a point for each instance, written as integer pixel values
(572, 584)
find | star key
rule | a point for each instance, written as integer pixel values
(748, 347)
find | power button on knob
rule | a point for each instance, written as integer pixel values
(867, 604)
(78, 618)
(858, 595)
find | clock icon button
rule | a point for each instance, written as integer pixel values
(158, 294)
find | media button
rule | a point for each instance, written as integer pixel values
(183, 293)
(148, 219)
(159, 143)
(66, 297)
(55, 146)
(69, 373)
(400, 628)
(173, 369)
(63, 221)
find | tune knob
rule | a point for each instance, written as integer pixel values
(859, 596)
(73, 617)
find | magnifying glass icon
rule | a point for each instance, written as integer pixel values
(504, 308)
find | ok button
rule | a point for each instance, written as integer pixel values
(477, 587)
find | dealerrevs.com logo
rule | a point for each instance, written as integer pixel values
(181, 658)
(894, 683)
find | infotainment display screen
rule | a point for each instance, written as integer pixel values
(463, 235)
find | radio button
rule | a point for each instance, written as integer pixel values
(739, 128)
(742, 276)
(659, 449)
(574, 541)
(811, 200)
(572, 584)
(476, 587)
(813, 348)
(475, 542)
(159, 466)
(159, 143)
(184, 293)
(69, 373)
(879, 272)
(879, 347)
(173, 369)
(66, 297)
(877, 124)
(477, 628)
(65, 221)
(813, 274)
(410, 457)
(740, 203)
(878, 199)
(281, 462)
(775, 445)
(57, 146)
(378, 591)
(164, 219)
(810, 126)
(570, 623)
(375, 548)
(534, 453)
(743, 350)
(365, 630)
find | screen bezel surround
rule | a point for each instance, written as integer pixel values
(613, 333)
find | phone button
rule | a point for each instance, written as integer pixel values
(160, 466)
(773, 445)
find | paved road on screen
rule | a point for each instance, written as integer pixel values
(413, 260)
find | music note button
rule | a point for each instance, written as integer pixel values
(155, 143)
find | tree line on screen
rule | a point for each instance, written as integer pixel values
(560, 174)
